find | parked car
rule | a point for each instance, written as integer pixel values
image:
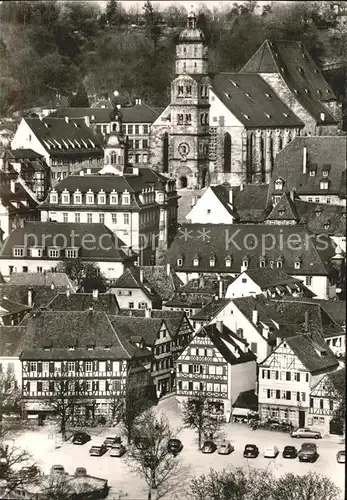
(225, 448)
(58, 470)
(289, 452)
(117, 450)
(270, 452)
(110, 441)
(209, 447)
(97, 450)
(306, 433)
(251, 451)
(174, 446)
(80, 471)
(308, 452)
(340, 457)
(81, 438)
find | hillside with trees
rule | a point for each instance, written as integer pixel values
(74, 49)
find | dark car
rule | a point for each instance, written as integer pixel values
(251, 451)
(111, 440)
(289, 452)
(341, 457)
(81, 438)
(97, 450)
(308, 452)
(174, 446)
(80, 472)
(209, 447)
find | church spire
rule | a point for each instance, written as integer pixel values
(191, 19)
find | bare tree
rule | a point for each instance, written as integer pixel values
(10, 396)
(196, 415)
(310, 486)
(150, 458)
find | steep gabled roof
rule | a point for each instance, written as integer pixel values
(253, 101)
(284, 210)
(322, 152)
(160, 281)
(210, 310)
(267, 277)
(292, 61)
(131, 278)
(106, 302)
(8, 307)
(314, 354)
(59, 280)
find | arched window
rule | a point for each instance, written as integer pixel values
(113, 158)
(166, 152)
(227, 153)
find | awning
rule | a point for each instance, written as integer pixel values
(240, 412)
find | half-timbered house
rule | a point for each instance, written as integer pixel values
(287, 375)
(216, 364)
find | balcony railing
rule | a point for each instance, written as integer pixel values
(201, 376)
(73, 374)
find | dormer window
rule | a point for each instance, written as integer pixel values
(245, 263)
(114, 198)
(327, 224)
(71, 253)
(279, 263)
(196, 261)
(90, 347)
(228, 261)
(77, 199)
(125, 199)
(281, 212)
(53, 197)
(65, 198)
(271, 264)
(325, 173)
(297, 264)
(312, 173)
(318, 212)
(101, 198)
(54, 252)
(19, 252)
(90, 198)
(324, 184)
(278, 184)
(262, 262)
(179, 262)
(71, 348)
(212, 260)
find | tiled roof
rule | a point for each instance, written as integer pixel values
(210, 310)
(25, 154)
(249, 202)
(43, 233)
(131, 327)
(11, 339)
(228, 344)
(208, 284)
(41, 279)
(106, 302)
(20, 201)
(42, 295)
(9, 307)
(196, 293)
(61, 138)
(162, 284)
(131, 278)
(139, 113)
(292, 61)
(267, 278)
(335, 309)
(242, 242)
(61, 330)
(247, 399)
(315, 355)
(246, 96)
(284, 210)
(322, 218)
(322, 152)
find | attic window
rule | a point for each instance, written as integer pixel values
(107, 347)
(278, 184)
(228, 95)
(300, 69)
(212, 261)
(279, 264)
(296, 91)
(234, 83)
(307, 91)
(297, 264)
(271, 264)
(318, 212)
(196, 261)
(179, 262)
(286, 115)
(281, 212)
(282, 69)
(327, 91)
(324, 184)
(262, 262)
(312, 173)
(245, 264)
(319, 92)
(228, 262)
(71, 348)
(246, 116)
(90, 347)
(267, 115)
(327, 224)
(268, 95)
(248, 95)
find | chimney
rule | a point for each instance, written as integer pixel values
(221, 289)
(13, 186)
(231, 197)
(241, 186)
(219, 326)
(304, 160)
(255, 316)
(141, 275)
(168, 270)
(30, 297)
(306, 322)
(67, 119)
(67, 291)
(95, 294)
(148, 313)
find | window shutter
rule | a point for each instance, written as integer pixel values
(277, 375)
(77, 366)
(39, 367)
(278, 394)
(190, 369)
(96, 385)
(95, 366)
(288, 395)
(268, 394)
(39, 386)
(51, 367)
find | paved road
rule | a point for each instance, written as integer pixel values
(120, 477)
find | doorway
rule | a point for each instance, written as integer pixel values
(182, 182)
(301, 418)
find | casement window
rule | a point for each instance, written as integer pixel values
(32, 366)
(89, 366)
(126, 218)
(113, 199)
(297, 376)
(71, 253)
(77, 218)
(101, 199)
(288, 376)
(89, 218)
(53, 198)
(77, 199)
(102, 218)
(179, 262)
(308, 280)
(65, 198)
(71, 366)
(18, 252)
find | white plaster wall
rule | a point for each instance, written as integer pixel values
(24, 138)
(217, 213)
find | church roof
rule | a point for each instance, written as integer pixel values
(292, 61)
(253, 101)
(285, 209)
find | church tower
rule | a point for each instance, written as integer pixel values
(189, 109)
(116, 147)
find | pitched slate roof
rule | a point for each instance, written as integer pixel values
(61, 330)
(322, 218)
(131, 278)
(235, 240)
(139, 113)
(267, 278)
(106, 302)
(335, 309)
(8, 307)
(25, 154)
(42, 295)
(292, 61)
(220, 340)
(132, 327)
(104, 246)
(246, 96)
(159, 280)
(66, 139)
(314, 354)
(11, 339)
(210, 310)
(249, 201)
(59, 280)
(284, 210)
(322, 152)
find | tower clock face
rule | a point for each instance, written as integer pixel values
(183, 149)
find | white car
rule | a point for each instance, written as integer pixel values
(271, 452)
